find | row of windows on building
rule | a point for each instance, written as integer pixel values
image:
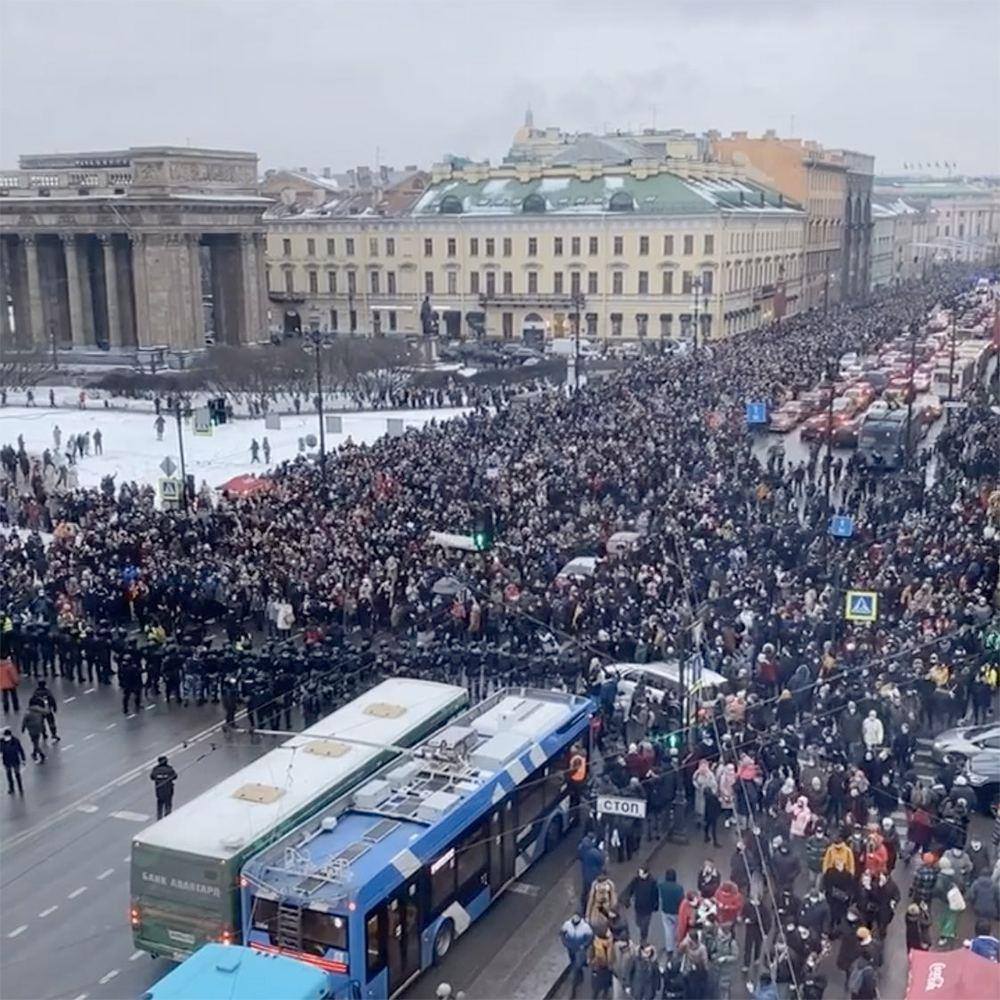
(744, 274)
(487, 283)
(488, 245)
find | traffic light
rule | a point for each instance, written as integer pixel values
(482, 529)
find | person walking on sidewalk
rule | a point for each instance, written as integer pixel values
(671, 894)
(12, 753)
(592, 861)
(163, 777)
(576, 935)
(643, 893)
(33, 724)
(10, 677)
(43, 700)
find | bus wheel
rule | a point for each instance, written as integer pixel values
(442, 941)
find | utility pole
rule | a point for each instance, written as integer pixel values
(696, 286)
(576, 343)
(54, 343)
(914, 327)
(829, 439)
(314, 340)
(180, 445)
(951, 358)
(826, 285)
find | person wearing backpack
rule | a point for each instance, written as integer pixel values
(862, 980)
(948, 891)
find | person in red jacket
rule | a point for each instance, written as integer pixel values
(729, 903)
(10, 677)
(686, 913)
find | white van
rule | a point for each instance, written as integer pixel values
(659, 677)
(565, 347)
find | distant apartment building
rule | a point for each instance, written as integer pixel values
(960, 217)
(640, 251)
(818, 179)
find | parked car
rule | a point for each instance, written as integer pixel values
(965, 741)
(983, 773)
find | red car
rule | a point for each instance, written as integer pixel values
(815, 428)
(788, 416)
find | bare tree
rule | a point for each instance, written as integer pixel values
(24, 371)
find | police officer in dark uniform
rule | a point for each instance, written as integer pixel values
(231, 697)
(130, 680)
(163, 777)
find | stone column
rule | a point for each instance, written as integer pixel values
(248, 291)
(111, 290)
(193, 242)
(137, 243)
(260, 287)
(38, 331)
(76, 330)
(6, 281)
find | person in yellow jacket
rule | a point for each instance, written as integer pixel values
(838, 851)
(601, 959)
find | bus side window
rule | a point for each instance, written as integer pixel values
(375, 942)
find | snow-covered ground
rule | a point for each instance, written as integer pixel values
(132, 453)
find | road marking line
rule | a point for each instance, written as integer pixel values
(67, 810)
(66, 701)
(90, 690)
(525, 888)
(49, 910)
(77, 892)
(127, 858)
(82, 996)
(89, 736)
(108, 977)
(110, 725)
(133, 816)
(132, 716)
(125, 781)
(149, 708)
(104, 874)
(69, 746)
(18, 930)
(87, 809)
(135, 956)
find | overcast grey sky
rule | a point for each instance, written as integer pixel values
(326, 82)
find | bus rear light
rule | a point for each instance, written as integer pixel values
(135, 916)
(227, 937)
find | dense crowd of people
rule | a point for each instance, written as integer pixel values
(293, 595)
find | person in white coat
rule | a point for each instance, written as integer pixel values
(872, 731)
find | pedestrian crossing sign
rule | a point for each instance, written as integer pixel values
(861, 606)
(841, 526)
(756, 413)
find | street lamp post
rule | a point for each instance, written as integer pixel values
(696, 286)
(951, 358)
(315, 340)
(577, 300)
(914, 327)
(178, 404)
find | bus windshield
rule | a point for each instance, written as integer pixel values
(319, 931)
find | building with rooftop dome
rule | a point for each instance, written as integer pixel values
(638, 249)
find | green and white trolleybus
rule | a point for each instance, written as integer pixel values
(185, 876)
